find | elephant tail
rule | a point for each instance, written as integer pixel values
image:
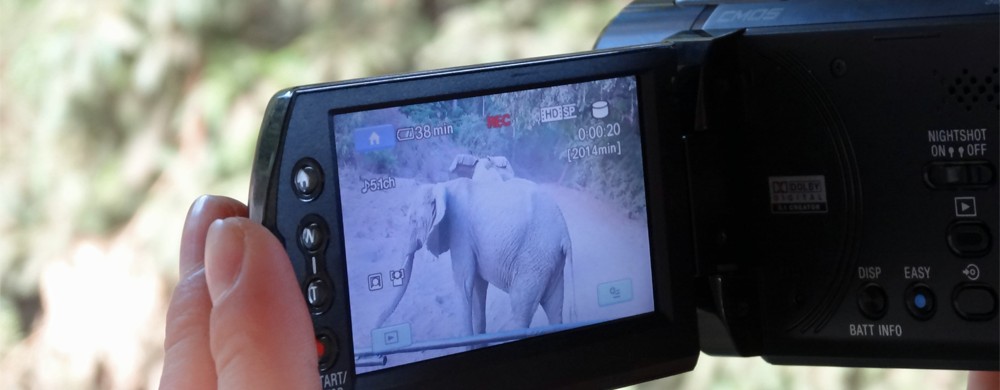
(567, 249)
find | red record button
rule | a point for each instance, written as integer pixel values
(326, 350)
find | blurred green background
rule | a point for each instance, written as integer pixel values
(116, 114)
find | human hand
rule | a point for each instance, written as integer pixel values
(236, 319)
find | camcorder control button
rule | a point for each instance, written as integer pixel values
(327, 350)
(961, 174)
(920, 301)
(872, 301)
(974, 302)
(307, 179)
(312, 234)
(318, 295)
(969, 238)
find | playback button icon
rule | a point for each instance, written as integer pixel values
(965, 206)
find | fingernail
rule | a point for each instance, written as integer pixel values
(199, 205)
(224, 249)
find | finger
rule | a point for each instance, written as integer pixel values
(188, 360)
(982, 380)
(261, 335)
(205, 210)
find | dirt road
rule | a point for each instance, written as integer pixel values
(607, 247)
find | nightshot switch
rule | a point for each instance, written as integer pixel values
(959, 174)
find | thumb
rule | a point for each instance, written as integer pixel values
(260, 333)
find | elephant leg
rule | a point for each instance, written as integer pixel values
(524, 297)
(464, 272)
(552, 300)
(479, 305)
(465, 301)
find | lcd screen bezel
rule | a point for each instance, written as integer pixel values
(348, 136)
(638, 348)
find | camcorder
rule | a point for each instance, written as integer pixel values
(814, 183)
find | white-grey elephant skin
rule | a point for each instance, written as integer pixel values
(506, 233)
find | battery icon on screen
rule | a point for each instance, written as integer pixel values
(404, 134)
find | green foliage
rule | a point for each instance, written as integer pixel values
(381, 162)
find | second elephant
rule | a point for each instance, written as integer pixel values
(482, 168)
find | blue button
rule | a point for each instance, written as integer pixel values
(390, 338)
(920, 301)
(611, 293)
(374, 138)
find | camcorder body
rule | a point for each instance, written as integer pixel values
(814, 183)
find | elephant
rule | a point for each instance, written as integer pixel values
(495, 168)
(506, 233)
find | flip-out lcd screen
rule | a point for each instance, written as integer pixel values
(482, 220)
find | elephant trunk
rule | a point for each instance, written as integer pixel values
(407, 267)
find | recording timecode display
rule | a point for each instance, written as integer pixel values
(483, 220)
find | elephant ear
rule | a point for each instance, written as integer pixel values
(499, 161)
(502, 167)
(437, 235)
